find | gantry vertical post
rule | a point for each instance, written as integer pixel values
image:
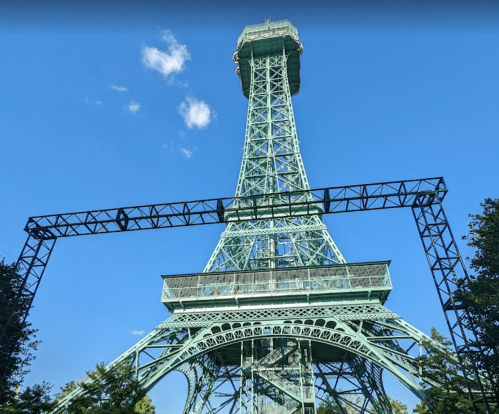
(448, 271)
(29, 271)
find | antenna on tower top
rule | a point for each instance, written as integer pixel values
(267, 19)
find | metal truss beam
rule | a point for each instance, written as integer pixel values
(198, 354)
(448, 270)
(424, 196)
(44, 230)
(30, 267)
(361, 197)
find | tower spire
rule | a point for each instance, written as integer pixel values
(268, 58)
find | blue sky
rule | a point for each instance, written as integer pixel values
(95, 105)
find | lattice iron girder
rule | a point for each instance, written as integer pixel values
(30, 268)
(357, 312)
(448, 270)
(351, 383)
(261, 172)
(298, 244)
(205, 385)
(202, 375)
(377, 196)
(369, 377)
(170, 348)
(192, 373)
(199, 376)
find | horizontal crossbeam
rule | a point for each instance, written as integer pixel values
(394, 194)
(422, 195)
(43, 231)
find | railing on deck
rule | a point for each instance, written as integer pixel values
(266, 29)
(327, 279)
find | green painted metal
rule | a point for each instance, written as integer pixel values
(339, 341)
(311, 285)
(268, 59)
(277, 322)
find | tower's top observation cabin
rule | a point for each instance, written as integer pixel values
(268, 39)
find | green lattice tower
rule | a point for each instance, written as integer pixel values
(269, 68)
(277, 322)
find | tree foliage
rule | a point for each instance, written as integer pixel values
(145, 406)
(349, 407)
(19, 338)
(397, 406)
(331, 407)
(481, 292)
(445, 387)
(114, 391)
(33, 400)
(111, 392)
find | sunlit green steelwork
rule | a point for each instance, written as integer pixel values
(268, 64)
(277, 322)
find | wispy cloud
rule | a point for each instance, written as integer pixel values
(119, 88)
(133, 107)
(187, 153)
(170, 146)
(135, 332)
(169, 62)
(196, 113)
(93, 102)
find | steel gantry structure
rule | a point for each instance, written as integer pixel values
(279, 321)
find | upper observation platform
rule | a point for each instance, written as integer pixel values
(268, 39)
(271, 287)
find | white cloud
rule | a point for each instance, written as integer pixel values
(196, 113)
(90, 101)
(119, 88)
(133, 107)
(134, 332)
(186, 152)
(169, 62)
(170, 146)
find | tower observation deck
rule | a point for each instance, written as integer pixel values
(271, 38)
(278, 321)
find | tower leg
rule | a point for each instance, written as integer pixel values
(280, 360)
(369, 377)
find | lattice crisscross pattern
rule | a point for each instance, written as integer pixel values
(272, 163)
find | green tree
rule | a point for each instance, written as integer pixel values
(33, 400)
(114, 391)
(70, 386)
(145, 406)
(481, 293)
(445, 387)
(19, 338)
(398, 407)
(329, 407)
